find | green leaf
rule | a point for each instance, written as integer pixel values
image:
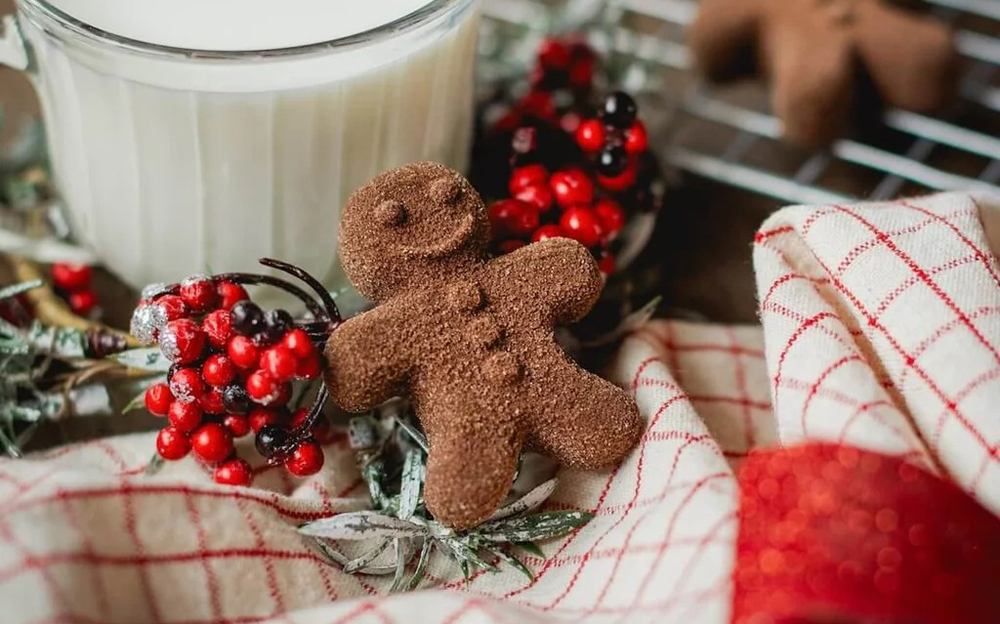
(155, 465)
(397, 579)
(529, 502)
(361, 525)
(373, 474)
(17, 289)
(371, 555)
(149, 359)
(515, 562)
(63, 342)
(540, 526)
(138, 402)
(531, 548)
(418, 573)
(414, 434)
(413, 479)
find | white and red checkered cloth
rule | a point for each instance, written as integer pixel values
(881, 329)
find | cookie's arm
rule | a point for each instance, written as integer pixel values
(367, 360)
(721, 33)
(559, 273)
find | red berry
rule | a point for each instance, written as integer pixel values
(186, 385)
(298, 342)
(282, 397)
(572, 186)
(581, 74)
(71, 277)
(261, 387)
(606, 264)
(620, 182)
(610, 215)
(305, 460)
(243, 352)
(279, 362)
(172, 307)
(298, 418)
(310, 367)
(513, 217)
(158, 399)
(321, 430)
(553, 54)
(212, 442)
(590, 135)
(636, 141)
(238, 425)
(82, 302)
(182, 341)
(538, 104)
(218, 370)
(171, 444)
(229, 294)
(260, 417)
(218, 327)
(528, 175)
(212, 402)
(234, 472)
(538, 195)
(581, 224)
(198, 291)
(546, 232)
(570, 122)
(184, 416)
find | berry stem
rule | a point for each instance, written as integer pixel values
(333, 313)
(254, 278)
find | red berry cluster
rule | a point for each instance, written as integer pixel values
(73, 282)
(232, 373)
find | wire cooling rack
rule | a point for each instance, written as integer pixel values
(727, 134)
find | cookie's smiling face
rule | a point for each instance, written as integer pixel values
(409, 225)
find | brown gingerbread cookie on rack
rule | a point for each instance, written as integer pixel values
(811, 49)
(470, 340)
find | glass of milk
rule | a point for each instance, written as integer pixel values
(200, 135)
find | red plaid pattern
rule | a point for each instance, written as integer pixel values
(880, 330)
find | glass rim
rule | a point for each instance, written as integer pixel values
(401, 25)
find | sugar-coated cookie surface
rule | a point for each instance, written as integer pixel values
(470, 340)
(811, 50)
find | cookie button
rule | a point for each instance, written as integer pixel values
(465, 296)
(485, 332)
(502, 369)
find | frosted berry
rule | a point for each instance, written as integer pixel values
(261, 417)
(612, 161)
(611, 216)
(546, 232)
(211, 402)
(238, 425)
(276, 324)
(538, 195)
(171, 444)
(553, 54)
(243, 352)
(269, 439)
(71, 277)
(636, 141)
(618, 110)
(218, 328)
(186, 385)
(172, 307)
(279, 362)
(297, 341)
(229, 294)
(247, 318)
(234, 472)
(212, 442)
(309, 367)
(182, 341)
(510, 245)
(572, 186)
(590, 135)
(158, 399)
(528, 175)
(198, 292)
(512, 217)
(305, 460)
(218, 370)
(261, 387)
(185, 416)
(619, 183)
(82, 302)
(581, 224)
(235, 399)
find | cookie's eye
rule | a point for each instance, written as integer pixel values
(445, 190)
(391, 213)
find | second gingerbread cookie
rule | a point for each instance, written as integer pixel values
(470, 340)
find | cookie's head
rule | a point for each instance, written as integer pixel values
(411, 224)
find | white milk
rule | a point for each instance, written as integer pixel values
(173, 163)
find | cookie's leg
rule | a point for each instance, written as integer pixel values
(811, 66)
(722, 34)
(472, 462)
(912, 60)
(584, 421)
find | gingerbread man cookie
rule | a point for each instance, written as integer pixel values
(470, 340)
(810, 50)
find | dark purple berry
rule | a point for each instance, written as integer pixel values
(235, 399)
(618, 110)
(276, 324)
(269, 439)
(612, 161)
(247, 318)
